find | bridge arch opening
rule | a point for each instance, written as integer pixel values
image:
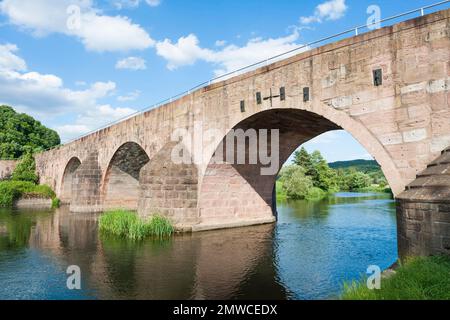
(67, 180)
(121, 185)
(231, 191)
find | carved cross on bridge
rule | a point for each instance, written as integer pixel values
(282, 96)
(271, 97)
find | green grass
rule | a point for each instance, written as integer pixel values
(417, 279)
(127, 224)
(10, 191)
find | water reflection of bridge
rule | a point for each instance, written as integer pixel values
(209, 265)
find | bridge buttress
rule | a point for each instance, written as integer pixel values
(169, 189)
(86, 186)
(423, 211)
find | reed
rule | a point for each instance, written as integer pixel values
(127, 224)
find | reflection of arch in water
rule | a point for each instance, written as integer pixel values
(121, 183)
(211, 265)
(227, 259)
(67, 180)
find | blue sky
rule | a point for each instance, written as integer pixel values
(78, 64)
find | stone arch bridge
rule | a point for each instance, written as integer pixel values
(388, 88)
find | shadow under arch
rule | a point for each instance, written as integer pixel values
(67, 180)
(246, 194)
(120, 187)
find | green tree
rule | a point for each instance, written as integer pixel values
(295, 183)
(325, 178)
(356, 180)
(20, 131)
(303, 159)
(26, 169)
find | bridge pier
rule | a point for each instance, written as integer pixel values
(170, 189)
(423, 211)
(86, 186)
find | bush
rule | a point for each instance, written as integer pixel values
(56, 203)
(43, 191)
(315, 194)
(13, 190)
(8, 194)
(356, 180)
(295, 183)
(26, 169)
(127, 224)
(418, 279)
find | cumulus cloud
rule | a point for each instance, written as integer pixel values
(131, 63)
(187, 51)
(8, 59)
(329, 10)
(89, 121)
(44, 96)
(77, 18)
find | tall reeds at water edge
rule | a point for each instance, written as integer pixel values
(128, 224)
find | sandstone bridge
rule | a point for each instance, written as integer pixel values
(388, 88)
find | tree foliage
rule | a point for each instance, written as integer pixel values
(353, 180)
(26, 169)
(20, 132)
(311, 177)
(296, 183)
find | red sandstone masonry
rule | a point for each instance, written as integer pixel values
(401, 123)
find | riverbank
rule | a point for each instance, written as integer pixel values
(417, 279)
(12, 192)
(316, 194)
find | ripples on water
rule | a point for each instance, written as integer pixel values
(314, 248)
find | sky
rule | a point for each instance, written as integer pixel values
(76, 65)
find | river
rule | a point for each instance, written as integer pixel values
(308, 254)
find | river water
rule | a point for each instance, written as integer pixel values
(308, 254)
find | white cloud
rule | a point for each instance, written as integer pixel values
(77, 18)
(187, 50)
(8, 59)
(123, 4)
(153, 3)
(131, 63)
(221, 43)
(89, 121)
(44, 96)
(130, 96)
(329, 10)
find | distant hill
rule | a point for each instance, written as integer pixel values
(360, 165)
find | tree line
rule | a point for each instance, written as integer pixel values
(311, 177)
